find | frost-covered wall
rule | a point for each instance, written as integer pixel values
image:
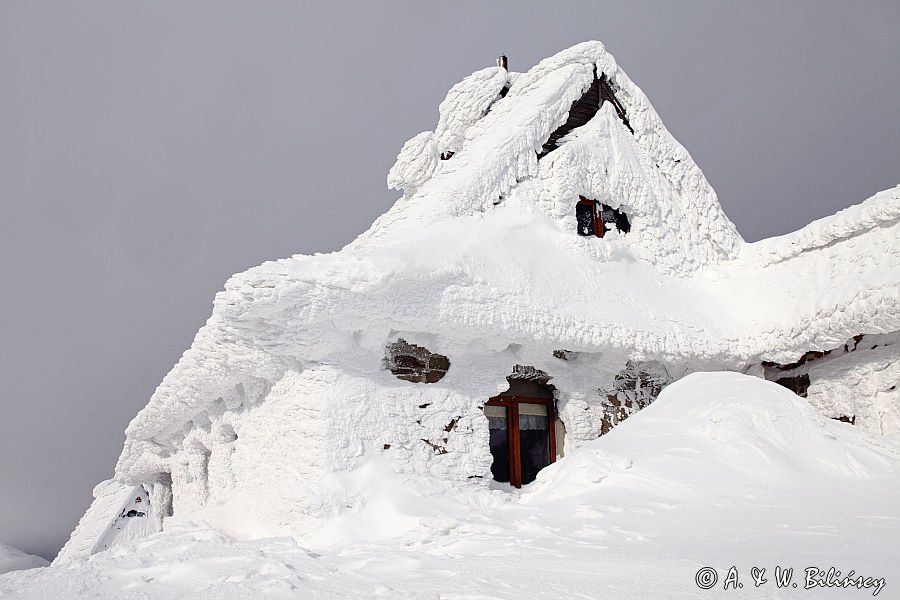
(855, 382)
(118, 513)
(287, 388)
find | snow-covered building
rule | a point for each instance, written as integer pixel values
(556, 259)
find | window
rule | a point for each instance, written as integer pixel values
(596, 219)
(614, 218)
(522, 437)
(586, 216)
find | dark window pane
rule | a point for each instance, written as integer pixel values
(614, 218)
(498, 424)
(622, 223)
(534, 439)
(584, 215)
(500, 451)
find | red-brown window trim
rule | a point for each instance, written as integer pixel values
(599, 228)
(511, 403)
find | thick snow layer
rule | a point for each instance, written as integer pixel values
(723, 470)
(284, 392)
(862, 384)
(12, 559)
(481, 278)
(97, 531)
(466, 103)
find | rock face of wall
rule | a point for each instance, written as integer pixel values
(634, 388)
(415, 363)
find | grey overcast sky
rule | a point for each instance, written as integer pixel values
(149, 150)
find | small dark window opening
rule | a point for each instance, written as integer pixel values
(596, 219)
(586, 216)
(799, 384)
(614, 218)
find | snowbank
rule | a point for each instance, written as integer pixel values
(724, 434)
(724, 470)
(12, 559)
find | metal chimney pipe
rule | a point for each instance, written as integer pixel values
(502, 62)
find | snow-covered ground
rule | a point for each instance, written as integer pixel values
(722, 470)
(12, 559)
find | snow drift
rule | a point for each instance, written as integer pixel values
(288, 386)
(12, 559)
(723, 470)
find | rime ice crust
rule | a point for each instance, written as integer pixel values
(284, 388)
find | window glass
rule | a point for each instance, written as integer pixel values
(498, 424)
(534, 439)
(584, 215)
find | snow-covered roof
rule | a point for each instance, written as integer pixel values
(482, 249)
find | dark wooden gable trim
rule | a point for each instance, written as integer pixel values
(607, 95)
(584, 109)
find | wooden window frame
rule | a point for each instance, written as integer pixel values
(599, 228)
(511, 403)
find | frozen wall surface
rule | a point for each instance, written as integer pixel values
(291, 383)
(118, 513)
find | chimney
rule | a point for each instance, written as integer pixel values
(501, 62)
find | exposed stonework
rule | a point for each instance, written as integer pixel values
(415, 363)
(795, 376)
(634, 388)
(529, 373)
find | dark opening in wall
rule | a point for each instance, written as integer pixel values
(798, 384)
(845, 419)
(594, 218)
(415, 363)
(614, 218)
(586, 217)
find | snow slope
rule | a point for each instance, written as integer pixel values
(722, 470)
(12, 559)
